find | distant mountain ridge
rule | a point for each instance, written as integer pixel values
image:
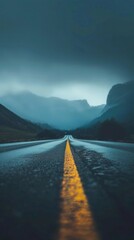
(58, 113)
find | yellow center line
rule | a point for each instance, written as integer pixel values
(76, 220)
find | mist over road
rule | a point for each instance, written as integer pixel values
(48, 186)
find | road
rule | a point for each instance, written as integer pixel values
(67, 189)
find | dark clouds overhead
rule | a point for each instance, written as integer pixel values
(36, 36)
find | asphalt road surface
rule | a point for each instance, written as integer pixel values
(67, 189)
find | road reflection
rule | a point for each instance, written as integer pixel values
(76, 220)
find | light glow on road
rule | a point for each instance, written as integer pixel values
(76, 220)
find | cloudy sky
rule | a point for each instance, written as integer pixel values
(67, 48)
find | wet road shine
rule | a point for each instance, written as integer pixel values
(43, 186)
(76, 220)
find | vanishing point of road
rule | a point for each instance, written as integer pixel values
(67, 189)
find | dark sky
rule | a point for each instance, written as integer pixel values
(66, 48)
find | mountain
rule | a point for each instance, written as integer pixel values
(59, 113)
(14, 128)
(117, 118)
(120, 105)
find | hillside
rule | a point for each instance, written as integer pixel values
(14, 128)
(117, 118)
(120, 105)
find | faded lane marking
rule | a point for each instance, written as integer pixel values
(76, 220)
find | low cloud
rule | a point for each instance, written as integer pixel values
(59, 47)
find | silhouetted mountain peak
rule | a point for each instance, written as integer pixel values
(120, 91)
(120, 105)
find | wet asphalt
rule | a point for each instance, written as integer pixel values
(31, 182)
